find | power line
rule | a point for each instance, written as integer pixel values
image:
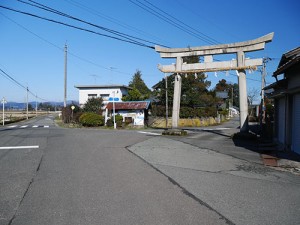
(130, 38)
(224, 30)
(52, 10)
(173, 21)
(193, 29)
(31, 32)
(76, 27)
(111, 19)
(12, 79)
(61, 49)
(6, 75)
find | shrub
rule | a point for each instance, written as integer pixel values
(160, 110)
(68, 117)
(76, 116)
(93, 105)
(186, 112)
(66, 114)
(110, 123)
(91, 119)
(119, 120)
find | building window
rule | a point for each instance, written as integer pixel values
(105, 97)
(92, 96)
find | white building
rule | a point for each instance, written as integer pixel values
(107, 92)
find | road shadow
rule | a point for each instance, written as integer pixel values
(261, 141)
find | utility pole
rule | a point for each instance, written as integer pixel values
(114, 110)
(167, 113)
(3, 102)
(232, 97)
(35, 105)
(27, 103)
(263, 81)
(65, 83)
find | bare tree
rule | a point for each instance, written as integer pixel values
(253, 94)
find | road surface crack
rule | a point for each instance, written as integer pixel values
(26, 191)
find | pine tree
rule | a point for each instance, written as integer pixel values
(138, 83)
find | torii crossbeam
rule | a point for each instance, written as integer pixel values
(240, 64)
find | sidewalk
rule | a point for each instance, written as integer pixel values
(265, 148)
(230, 180)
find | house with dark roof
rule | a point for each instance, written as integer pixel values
(286, 95)
(135, 112)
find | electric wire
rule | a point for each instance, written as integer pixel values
(52, 10)
(112, 20)
(9, 77)
(62, 49)
(49, 9)
(172, 22)
(193, 29)
(75, 27)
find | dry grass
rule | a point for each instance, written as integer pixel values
(193, 122)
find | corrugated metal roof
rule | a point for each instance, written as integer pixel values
(287, 60)
(129, 105)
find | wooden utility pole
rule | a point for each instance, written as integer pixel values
(27, 102)
(3, 116)
(65, 80)
(263, 77)
(167, 109)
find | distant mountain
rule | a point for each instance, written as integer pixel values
(21, 106)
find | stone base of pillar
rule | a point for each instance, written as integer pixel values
(174, 132)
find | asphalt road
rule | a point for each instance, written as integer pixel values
(226, 176)
(87, 176)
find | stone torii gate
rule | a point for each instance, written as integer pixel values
(240, 65)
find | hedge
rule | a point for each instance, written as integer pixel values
(90, 119)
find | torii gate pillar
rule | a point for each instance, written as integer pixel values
(243, 101)
(176, 101)
(242, 93)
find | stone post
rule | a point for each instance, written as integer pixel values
(243, 93)
(176, 101)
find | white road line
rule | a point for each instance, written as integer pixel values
(144, 132)
(24, 126)
(18, 147)
(46, 126)
(12, 126)
(35, 126)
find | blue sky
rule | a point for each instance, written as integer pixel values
(31, 50)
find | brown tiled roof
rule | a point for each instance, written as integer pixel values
(288, 60)
(129, 105)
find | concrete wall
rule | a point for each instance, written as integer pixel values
(138, 116)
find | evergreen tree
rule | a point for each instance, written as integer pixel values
(232, 89)
(194, 88)
(133, 95)
(138, 83)
(93, 105)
